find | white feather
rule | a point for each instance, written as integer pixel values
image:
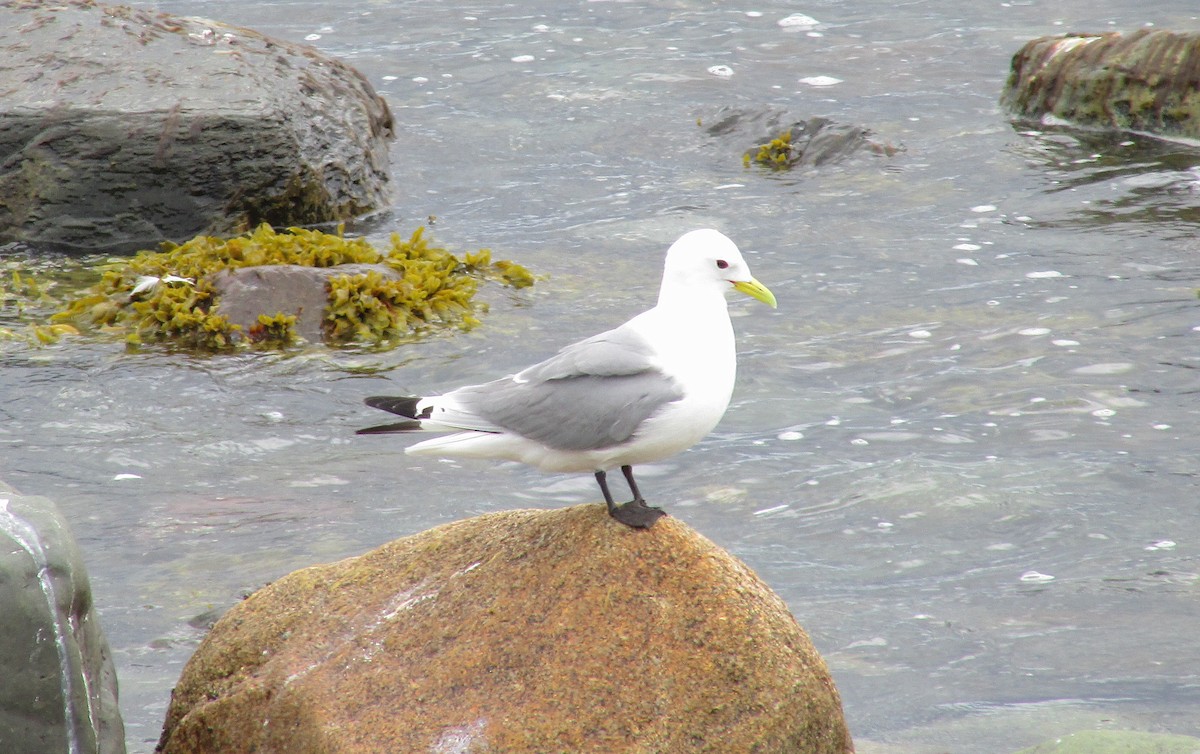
(690, 341)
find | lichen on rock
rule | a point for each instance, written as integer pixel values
(517, 631)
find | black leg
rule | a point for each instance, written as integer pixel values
(602, 480)
(635, 513)
(627, 470)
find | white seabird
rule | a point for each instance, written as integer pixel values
(639, 393)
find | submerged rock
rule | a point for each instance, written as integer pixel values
(523, 631)
(810, 143)
(59, 688)
(121, 128)
(1145, 81)
(780, 141)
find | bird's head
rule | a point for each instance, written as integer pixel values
(706, 258)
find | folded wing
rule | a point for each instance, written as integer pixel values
(590, 395)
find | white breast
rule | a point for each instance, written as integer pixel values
(703, 359)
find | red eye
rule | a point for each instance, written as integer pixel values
(722, 264)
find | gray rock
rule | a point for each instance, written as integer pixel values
(60, 688)
(121, 128)
(823, 141)
(246, 292)
(815, 141)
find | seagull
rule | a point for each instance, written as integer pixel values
(638, 393)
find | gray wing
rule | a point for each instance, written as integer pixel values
(591, 395)
(617, 352)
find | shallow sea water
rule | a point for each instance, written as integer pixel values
(963, 449)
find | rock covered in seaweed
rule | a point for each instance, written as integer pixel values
(1145, 81)
(780, 141)
(522, 631)
(245, 294)
(300, 282)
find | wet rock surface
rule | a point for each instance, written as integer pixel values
(811, 142)
(59, 688)
(1145, 81)
(121, 128)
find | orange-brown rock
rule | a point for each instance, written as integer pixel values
(523, 631)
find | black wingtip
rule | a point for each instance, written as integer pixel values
(402, 405)
(383, 429)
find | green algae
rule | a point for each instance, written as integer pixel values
(19, 289)
(168, 296)
(23, 297)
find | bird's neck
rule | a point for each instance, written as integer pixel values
(692, 299)
(678, 319)
(693, 341)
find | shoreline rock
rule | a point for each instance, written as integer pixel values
(513, 632)
(245, 293)
(121, 128)
(59, 691)
(1146, 81)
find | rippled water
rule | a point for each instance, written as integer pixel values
(963, 449)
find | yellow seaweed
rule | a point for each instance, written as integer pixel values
(777, 154)
(167, 296)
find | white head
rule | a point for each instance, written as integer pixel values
(707, 260)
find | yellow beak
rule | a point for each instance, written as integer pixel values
(756, 289)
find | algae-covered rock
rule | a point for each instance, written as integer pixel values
(810, 143)
(522, 631)
(122, 127)
(280, 285)
(1117, 742)
(1145, 81)
(245, 294)
(780, 141)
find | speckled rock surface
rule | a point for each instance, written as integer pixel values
(1145, 81)
(523, 631)
(121, 128)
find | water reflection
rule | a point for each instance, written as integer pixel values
(1126, 179)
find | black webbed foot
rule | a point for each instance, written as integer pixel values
(636, 514)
